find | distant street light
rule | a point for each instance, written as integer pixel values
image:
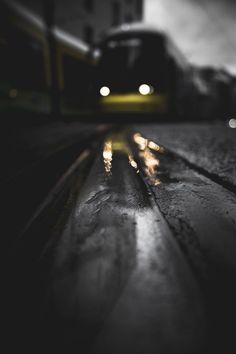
(232, 123)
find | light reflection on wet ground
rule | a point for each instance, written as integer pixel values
(147, 240)
(147, 150)
(117, 144)
(107, 156)
(118, 280)
(148, 158)
(114, 270)
(152, 159)
(132, 162)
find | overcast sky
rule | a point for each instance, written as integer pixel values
(205, 30)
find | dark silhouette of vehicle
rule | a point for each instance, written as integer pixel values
(140, 69)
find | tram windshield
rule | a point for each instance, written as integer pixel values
(128, 62)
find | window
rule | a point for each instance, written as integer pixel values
(128, 18)
(115, 13)
(88, 34)
(89, 5)
(139, 8)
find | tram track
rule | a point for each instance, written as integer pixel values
(202, 171)
(201, 214)
(115, 245)
(128, 251)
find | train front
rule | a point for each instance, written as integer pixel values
(133, 74)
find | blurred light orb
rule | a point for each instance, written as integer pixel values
(145, 89)
(232, 123)
(13, 93)
(125, 27)
(96, 53)
(104, 91)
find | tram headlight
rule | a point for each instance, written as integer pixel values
(145, 89)
(104, 91)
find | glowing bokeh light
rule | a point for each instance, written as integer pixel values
(145, 89)
(150, 161)
(232, 123)
(13, 93)
(104, 91)
(107, 156)
(153, 146)
(133, 163)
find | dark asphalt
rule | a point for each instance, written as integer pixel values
(134, 254)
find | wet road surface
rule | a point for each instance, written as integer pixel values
(135, 254)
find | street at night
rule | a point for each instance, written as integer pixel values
(118, 183)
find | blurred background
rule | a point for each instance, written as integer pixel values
(49, 57)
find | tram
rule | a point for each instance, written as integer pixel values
(140, 69)
(25, 61)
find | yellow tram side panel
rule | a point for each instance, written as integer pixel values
(37, 33)
(65, 50)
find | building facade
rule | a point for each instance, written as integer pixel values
(90, 19)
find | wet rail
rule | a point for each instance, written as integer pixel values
(201, 214)
(122, 259)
